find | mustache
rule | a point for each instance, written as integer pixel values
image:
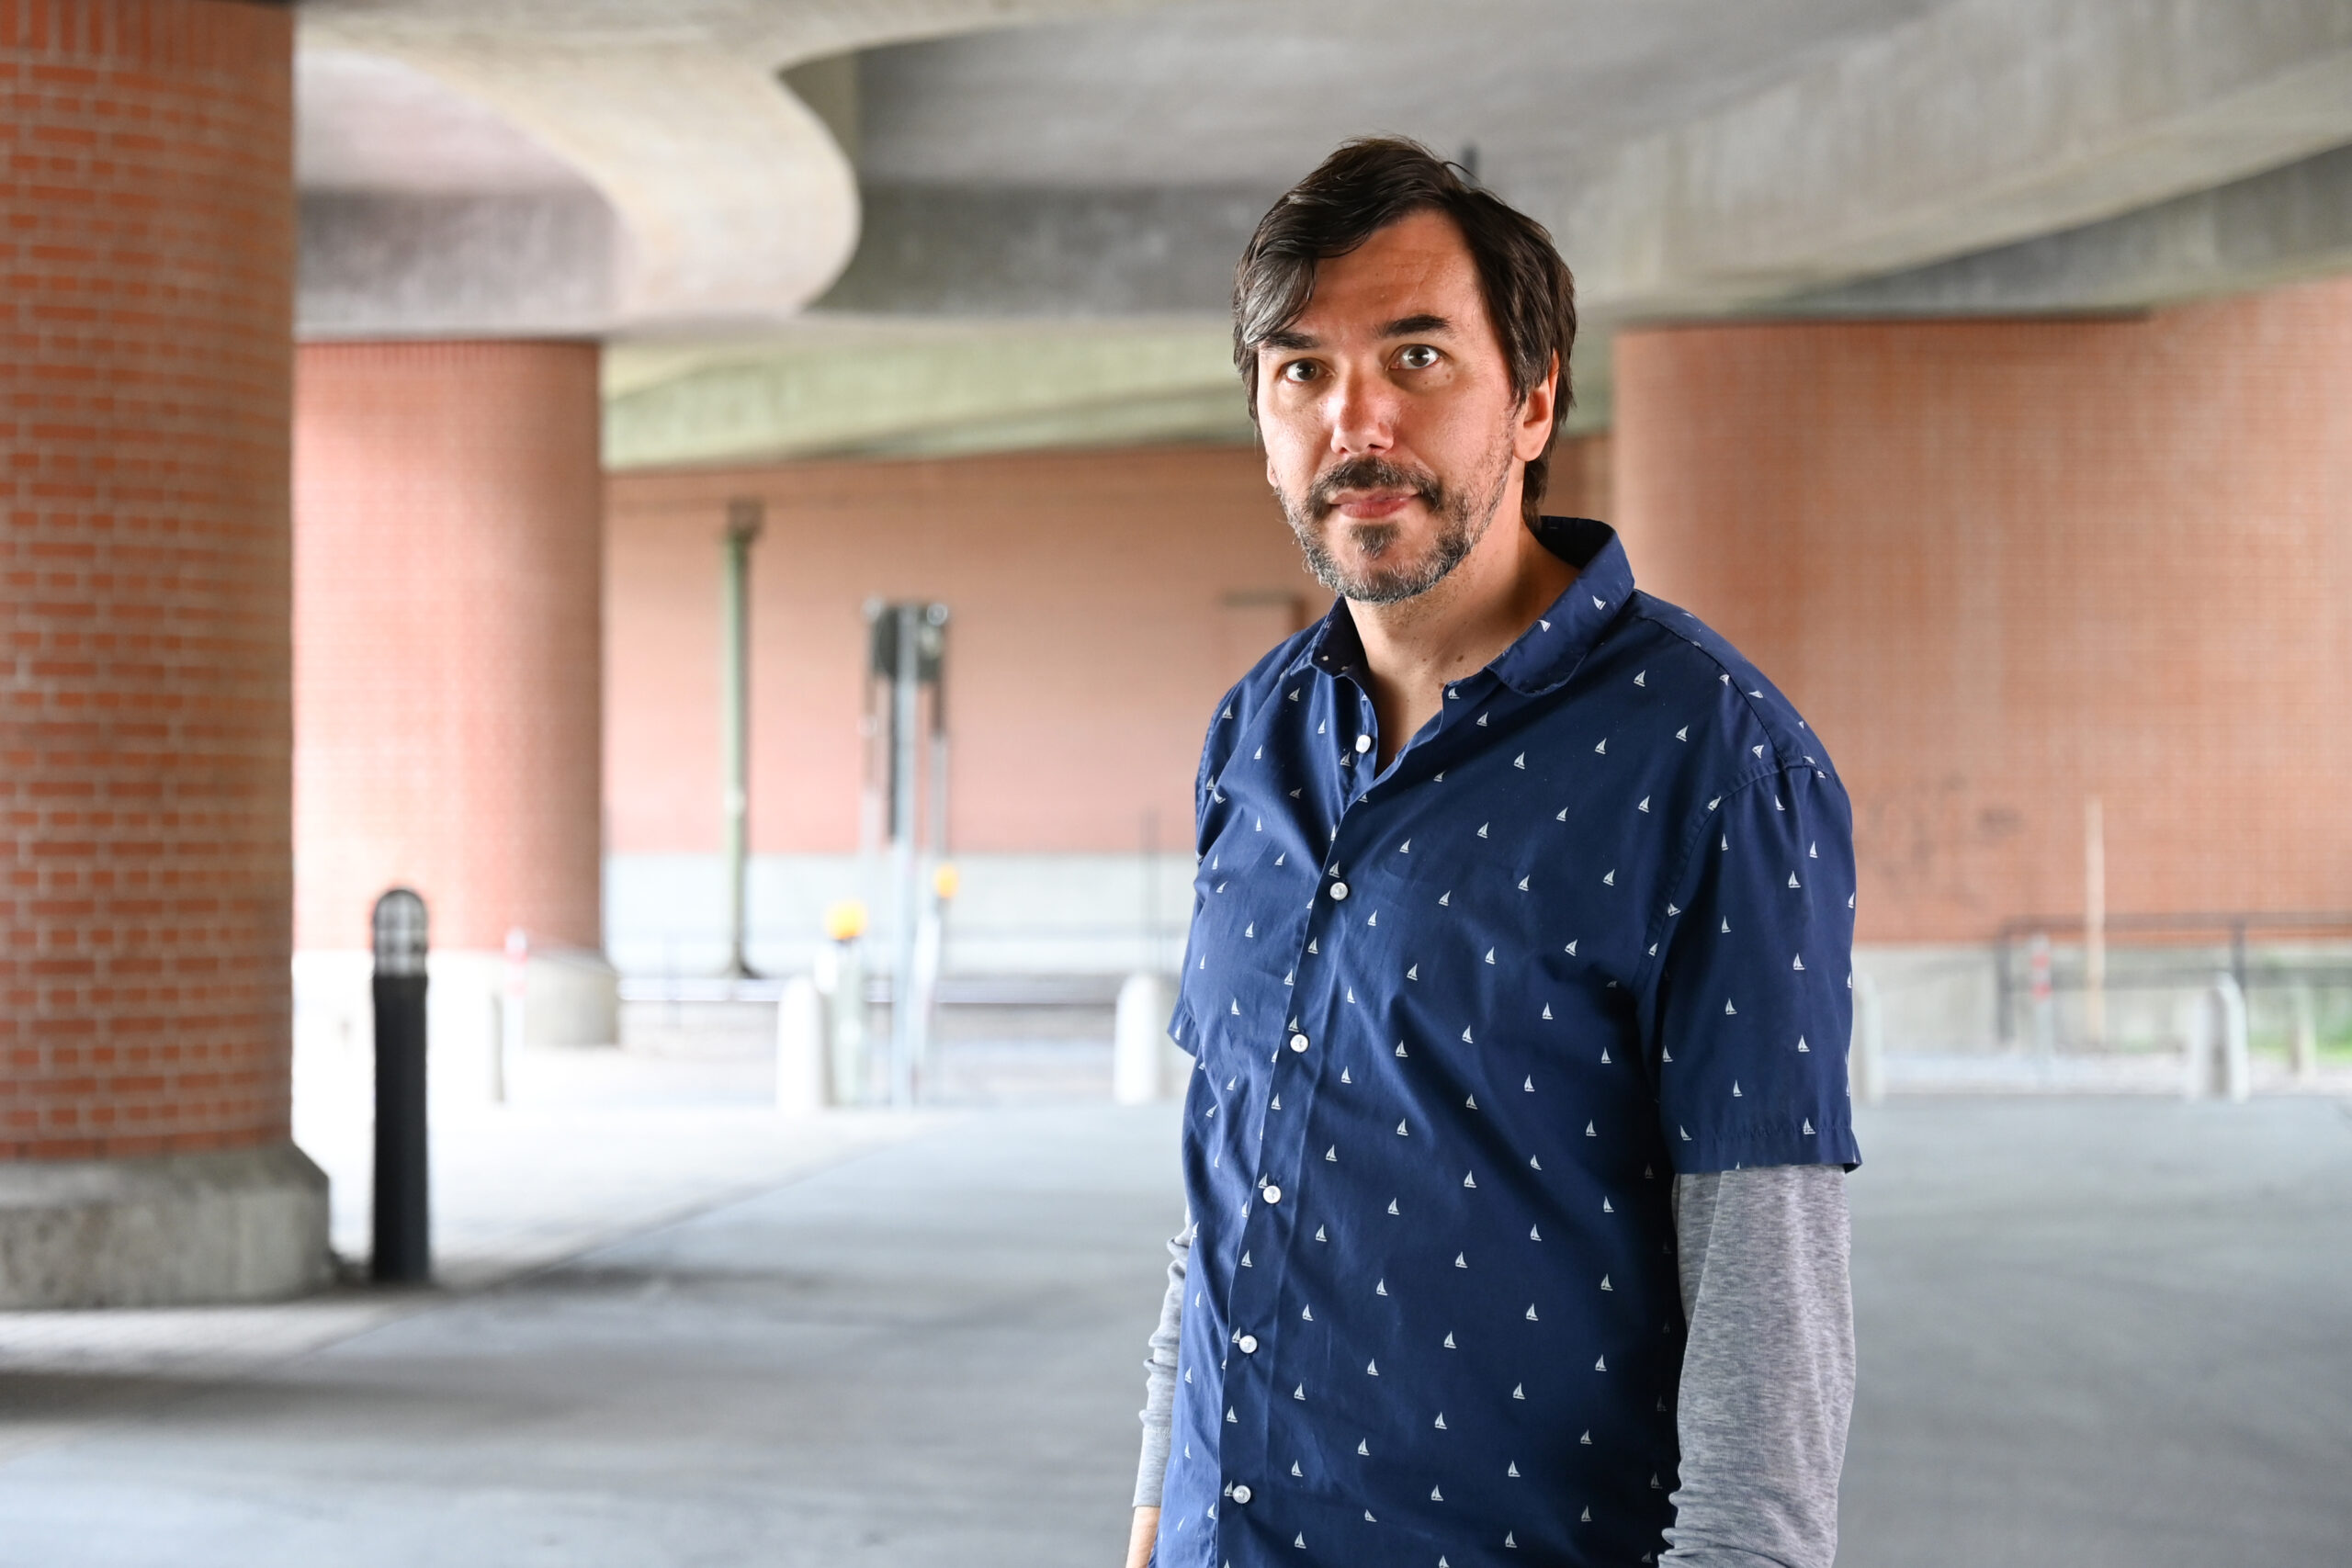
(1370, 473)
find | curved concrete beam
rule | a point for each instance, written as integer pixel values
(1986, 122)
(837, 385)
(2282, 227)
(735, 204)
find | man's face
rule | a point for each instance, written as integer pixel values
(1386, 410)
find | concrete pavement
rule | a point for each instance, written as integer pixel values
(2092, 1331)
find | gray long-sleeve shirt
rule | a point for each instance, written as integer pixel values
(1768, 1367)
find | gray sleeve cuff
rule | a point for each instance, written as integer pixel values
(1159, 1376)
(1768, 1370)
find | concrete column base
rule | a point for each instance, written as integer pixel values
(244, 1224)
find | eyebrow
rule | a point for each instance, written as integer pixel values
(1423, 325)
(1417, 326)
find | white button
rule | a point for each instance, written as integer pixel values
(1271, 1193)
(1298, 1041)
(1338, 890)
(1363, 742)
(1248, 1343)
(1242, 1492)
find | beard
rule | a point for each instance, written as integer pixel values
(1372, 562)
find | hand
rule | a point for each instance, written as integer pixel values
(1140, 1539)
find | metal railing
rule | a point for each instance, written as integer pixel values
(2141, 934)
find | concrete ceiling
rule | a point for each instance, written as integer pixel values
(1034, 176)
(1243, 93)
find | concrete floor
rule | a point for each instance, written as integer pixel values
(2092, 1332)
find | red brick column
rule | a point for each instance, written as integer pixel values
(448, 623)
(147, 231)
(2007, 564)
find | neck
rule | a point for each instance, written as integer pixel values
(1413, 648)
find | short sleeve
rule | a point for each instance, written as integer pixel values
(1753, 1003)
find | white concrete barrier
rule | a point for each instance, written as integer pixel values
(2237, 1073)
(802, 1047)
(2216, 1064)
(1140, 1047)
(1866, 1058)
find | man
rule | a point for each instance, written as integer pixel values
(1518, 981)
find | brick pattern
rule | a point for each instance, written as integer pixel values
(147, 236)
(1102, 602)
(448, 506)
(2004, 565)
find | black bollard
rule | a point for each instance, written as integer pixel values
(403, 1242)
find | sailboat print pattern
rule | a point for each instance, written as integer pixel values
(1456, 1334)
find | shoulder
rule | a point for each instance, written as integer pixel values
(1237, 709)
(1752, 727)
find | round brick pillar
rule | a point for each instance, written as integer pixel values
(447, 630)
(2004, 565)
(147, 224)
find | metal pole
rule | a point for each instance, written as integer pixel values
(2305, 1051)
(403, 1253)
(744, 520)
(2095, 922)
(904, 687)
(2044, 1004)
(2002, 989)
(933, 875)
(1150, 869)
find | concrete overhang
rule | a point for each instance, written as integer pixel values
(727, 200)
(1040, 225)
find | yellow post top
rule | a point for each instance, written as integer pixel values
(845, 920)
(945, 879)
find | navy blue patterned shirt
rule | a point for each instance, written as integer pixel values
(1457, 1025)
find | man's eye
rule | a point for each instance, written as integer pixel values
(1299, 370)
(1420, 357)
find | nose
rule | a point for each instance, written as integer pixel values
(1362, 412)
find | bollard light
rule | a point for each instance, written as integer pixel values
(403, 1253)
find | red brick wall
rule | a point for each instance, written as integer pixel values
(147, 237)
(446, 620)
(1581, 478)
(1103, 601)
(2005, 565)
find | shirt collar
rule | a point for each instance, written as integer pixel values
(1548, 650)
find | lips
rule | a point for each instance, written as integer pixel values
(1371, 490)
(1371, 508)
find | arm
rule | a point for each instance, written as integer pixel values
(1159, 1412)
(1768, 1372)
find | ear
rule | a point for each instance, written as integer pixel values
(1272, 482)
(1533, 432)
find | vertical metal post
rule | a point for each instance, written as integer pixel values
(2004, 989)
(906, 677)
(2095, 922)
(2045, 1033)
(744, 515)
(1150, 868)
(513, 1010)
(2305, 1048)
(934, 877)
(403, 1253)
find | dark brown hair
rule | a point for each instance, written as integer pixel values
(1361, 189)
